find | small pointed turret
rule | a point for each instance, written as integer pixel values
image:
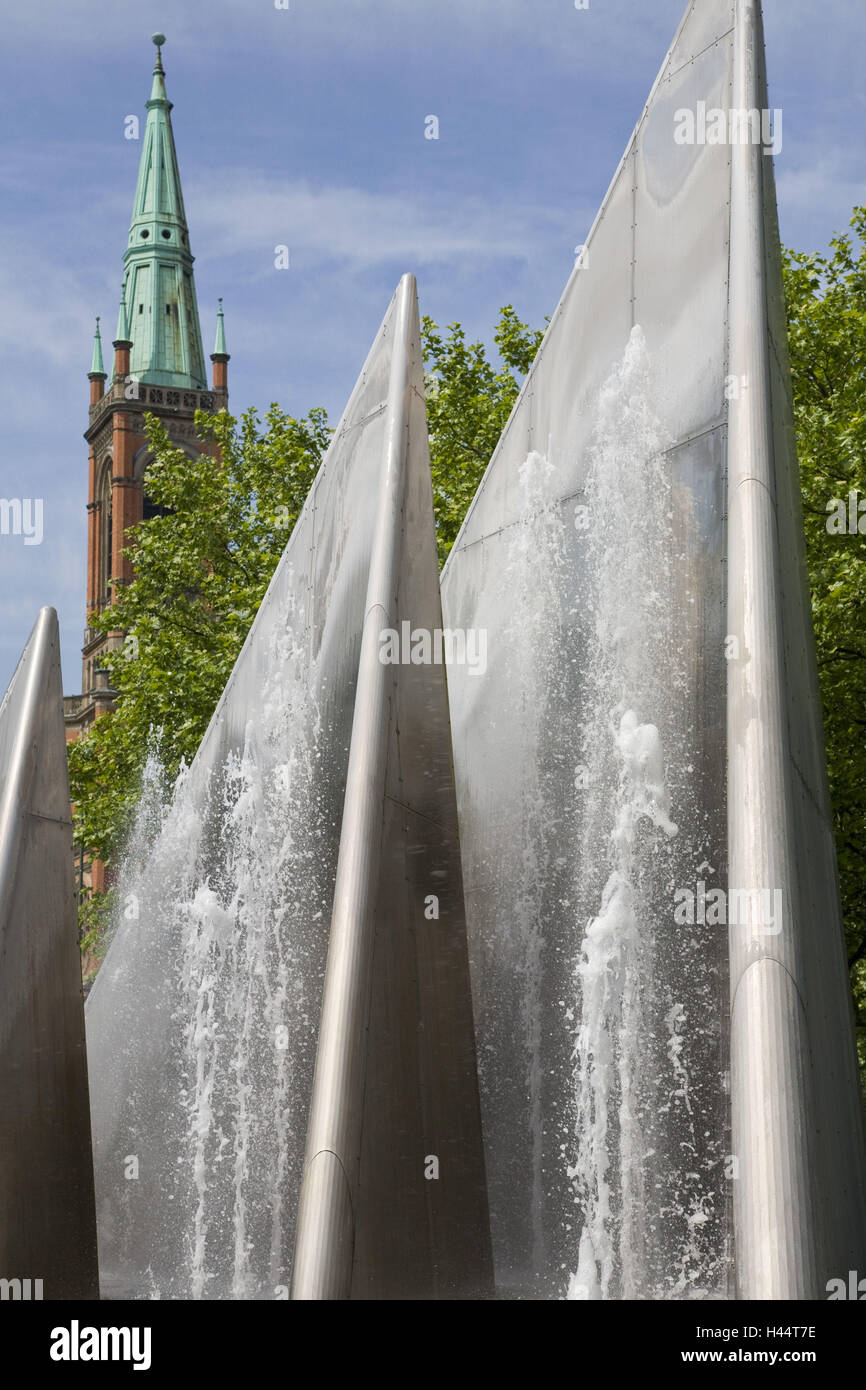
(220, 356)
(97, 374)
(122, 342)
(219, 347)
(122, 334)
(96, 364)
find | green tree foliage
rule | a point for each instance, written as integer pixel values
(468, 404)
(201, 570)
(826, 305)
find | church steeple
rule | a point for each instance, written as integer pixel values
(158, 369)
(158, 287)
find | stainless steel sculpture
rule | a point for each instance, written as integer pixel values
(47, 1218)
(652, 680)
(665, 1049)
(321, 767)
(800, 1204)
(393, 1202)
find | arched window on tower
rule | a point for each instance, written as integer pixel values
(106, 534)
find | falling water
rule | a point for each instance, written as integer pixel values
(598, 1018)
(226, 912)
(646, 1161)
(536, 559)
(202, 1024)
(599, 1045)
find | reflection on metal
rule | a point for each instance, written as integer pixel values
(800, 1202)
(47, 1222)
(202, 1025)
(605, 699)
(393, 1202)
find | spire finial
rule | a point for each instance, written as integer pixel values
(159, 40)
(219, 349)
(96, 366)
(122, 321)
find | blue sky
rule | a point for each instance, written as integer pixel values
(306, 127)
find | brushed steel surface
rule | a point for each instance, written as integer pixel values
(395, 1082)
(288, 704)
(658, 255)
(317, 725)
(47, 1217)
(797, 1124)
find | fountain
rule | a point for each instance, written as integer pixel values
(322, 794)
(599, 1045)
(654, 651)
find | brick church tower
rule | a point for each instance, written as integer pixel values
(159, 368)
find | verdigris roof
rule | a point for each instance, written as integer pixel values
(159, 301)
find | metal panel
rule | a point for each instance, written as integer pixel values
(579, 971)
(587, 332)
(202, 1025)
(797, 1120)
(682, 216)
(702, 25)
(202, 1022)
(583, 530)
(395, 1090)
(47, 1218)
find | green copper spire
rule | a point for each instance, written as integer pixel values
(96, 367)
(122, 334)
(158, 287)
(219, 347)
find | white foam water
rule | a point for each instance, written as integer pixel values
(535, 565)
(645, 1177)
(599, 1043)
(226, 932)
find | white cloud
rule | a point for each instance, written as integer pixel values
(49, 311)
(365, 228)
